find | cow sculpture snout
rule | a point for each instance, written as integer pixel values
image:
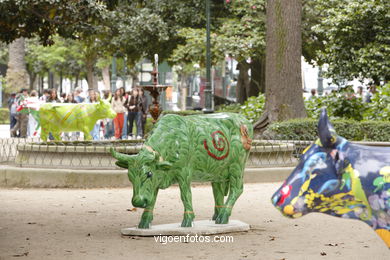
(339, 178)
(139, 201)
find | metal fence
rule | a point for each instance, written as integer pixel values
(31, 152)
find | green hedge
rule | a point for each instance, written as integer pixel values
(4, 116)
(306, 129)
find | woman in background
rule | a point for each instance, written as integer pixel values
(53, 97)
(117, 104)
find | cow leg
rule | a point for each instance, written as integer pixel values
(184, 181)
(218, 192)
(147, 216)
(236, 186)
(44, 134)
(56, 136)
(87, 135)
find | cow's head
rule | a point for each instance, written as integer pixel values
(145, 173)
(104, 109)
(322, 180)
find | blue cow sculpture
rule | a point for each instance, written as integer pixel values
(341, 179)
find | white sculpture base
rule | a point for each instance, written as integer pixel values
(202, 227)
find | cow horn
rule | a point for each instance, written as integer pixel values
(120, 156)
(326, 132)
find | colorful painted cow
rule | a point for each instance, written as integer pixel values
(57, 118)
(206, 148)
(341, 179)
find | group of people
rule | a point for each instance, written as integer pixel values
(131, 109)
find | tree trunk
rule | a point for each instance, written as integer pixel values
(90, 77)
(61, 90)
(243, 82)
(17, 76)
(106, 77)
(257, 84)
(284, 97)
(32, 78)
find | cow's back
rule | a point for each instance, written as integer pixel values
(208, 144)
(66, 117)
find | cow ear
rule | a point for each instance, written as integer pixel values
(122, 164)
(326, 132)
(164, 165)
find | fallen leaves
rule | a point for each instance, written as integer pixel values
(20, 255)
(332, 244)
(132, 210)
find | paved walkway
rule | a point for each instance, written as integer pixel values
(4, 131)
(86, 224)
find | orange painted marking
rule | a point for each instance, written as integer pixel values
(385, 235)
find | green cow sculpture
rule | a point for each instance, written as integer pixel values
(205, 148)
(57, 118)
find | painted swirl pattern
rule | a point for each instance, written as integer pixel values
(222, 144)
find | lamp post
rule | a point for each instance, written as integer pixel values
(113, 74)
(208, 91)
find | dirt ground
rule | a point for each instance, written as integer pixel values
(86, 224)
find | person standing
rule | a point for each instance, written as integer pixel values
(77, 95)
(22, 118)
(12, 106)
(53, 97)
(117, 104)
(133, 107)
(126, 95)
(45, 96)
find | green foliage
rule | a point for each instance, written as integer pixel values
(345, 105)
(232, 108)
(64, 56)
(241, 34)
(306, 129)
(379, 108)
(339, 105)
(4, 116)
(252, 108)
(355, 36)
(45, 18)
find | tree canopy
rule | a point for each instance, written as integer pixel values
(352, 37)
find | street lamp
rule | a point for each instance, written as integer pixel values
(208, 91)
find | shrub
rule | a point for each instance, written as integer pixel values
(306, 129)
(252, 108)
(339, 105)
(379, 108)
(232, 108)
(4, 116)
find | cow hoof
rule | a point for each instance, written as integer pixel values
(186, 223)
(222, 219)
(144, 225)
